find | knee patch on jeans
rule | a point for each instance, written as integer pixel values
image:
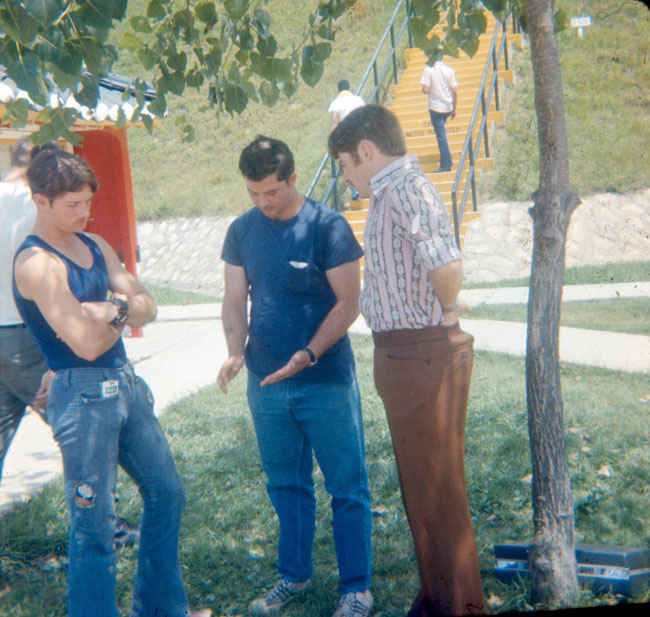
(84, 495)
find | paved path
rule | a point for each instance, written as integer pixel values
(188, 341)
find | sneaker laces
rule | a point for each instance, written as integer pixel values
(282, 591)
(354, 606)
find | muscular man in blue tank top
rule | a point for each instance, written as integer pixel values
(76, 297)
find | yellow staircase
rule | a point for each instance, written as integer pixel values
(409, 104)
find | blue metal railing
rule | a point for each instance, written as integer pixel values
(482, 106)
(379, 75)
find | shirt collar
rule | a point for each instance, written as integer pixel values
(392, 171)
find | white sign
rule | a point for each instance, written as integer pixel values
(581, 22)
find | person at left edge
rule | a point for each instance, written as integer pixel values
(100, 412)
(299, 263)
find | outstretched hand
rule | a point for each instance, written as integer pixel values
(228, 371)
(299, 361)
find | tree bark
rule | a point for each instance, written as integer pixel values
(552, 557)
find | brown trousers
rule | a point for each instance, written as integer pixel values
(423, 379)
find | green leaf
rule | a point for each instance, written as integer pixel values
(89, 92)
(322, 52)
(560, 21)
(206, 12)
(148, 122)
(470, 46)
(269, 93)
(242, 57)
(177, 60)
(121, 119)
(235, 98)
(93, 54)
(18, 112)
(44, 11)
(213, 57)
(158, 106)
(289, 88)
(311, 72)
(244, 38)
(194, 78)
(147, 57)
(267, 46)
(156, 9)
(172, 82)
(27, 75)
(21, 26)
(236, 9)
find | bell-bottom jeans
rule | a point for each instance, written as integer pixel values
(102, 417)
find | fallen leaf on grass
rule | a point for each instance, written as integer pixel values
(604, 471)
(527, 479)
(645, 399)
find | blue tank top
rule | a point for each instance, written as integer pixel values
(87, 285)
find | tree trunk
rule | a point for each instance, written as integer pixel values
(552, 558)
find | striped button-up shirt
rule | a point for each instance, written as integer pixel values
(407, 235)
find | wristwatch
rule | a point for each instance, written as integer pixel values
(312, 356)
(122, 311)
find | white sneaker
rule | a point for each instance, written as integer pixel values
(354, 604)
(274, 599)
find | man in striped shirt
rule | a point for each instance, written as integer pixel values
(423, 360)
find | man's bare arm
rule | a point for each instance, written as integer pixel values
(447, 281)
(84, 327)
(345, 282)
(234, 318)
(142, 307)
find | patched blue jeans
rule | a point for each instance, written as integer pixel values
(101, 417)
(294, 420)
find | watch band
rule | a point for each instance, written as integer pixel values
(312, 356)
(122, 312)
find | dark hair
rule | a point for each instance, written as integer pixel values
(372, 122)
(265, 156)
(344, 84)
(53, 172)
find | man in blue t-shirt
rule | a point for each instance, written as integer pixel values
(299, 263)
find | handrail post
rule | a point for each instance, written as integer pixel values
(504, 41)
(335, 179)
(486, 144)
(408, 22)
(472, 169)
(376, 78)
(454, 212)
(392, 52)
(495, 68)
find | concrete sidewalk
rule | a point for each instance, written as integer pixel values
(183, 349)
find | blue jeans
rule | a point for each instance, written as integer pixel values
(294, 419)
(21, 368)
(438, 120)
(101, 417)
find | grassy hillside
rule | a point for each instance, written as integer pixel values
(176, 179)
(607, 94)
(606, 78)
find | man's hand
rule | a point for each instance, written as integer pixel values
(40, 400)
(299, 361)
(450, 318)
(228, 371)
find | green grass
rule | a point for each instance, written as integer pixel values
(229, 530)
(167, 295)
(623, 272)
(631, 316)
(606, 82)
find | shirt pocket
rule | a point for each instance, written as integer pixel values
(302, 276)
